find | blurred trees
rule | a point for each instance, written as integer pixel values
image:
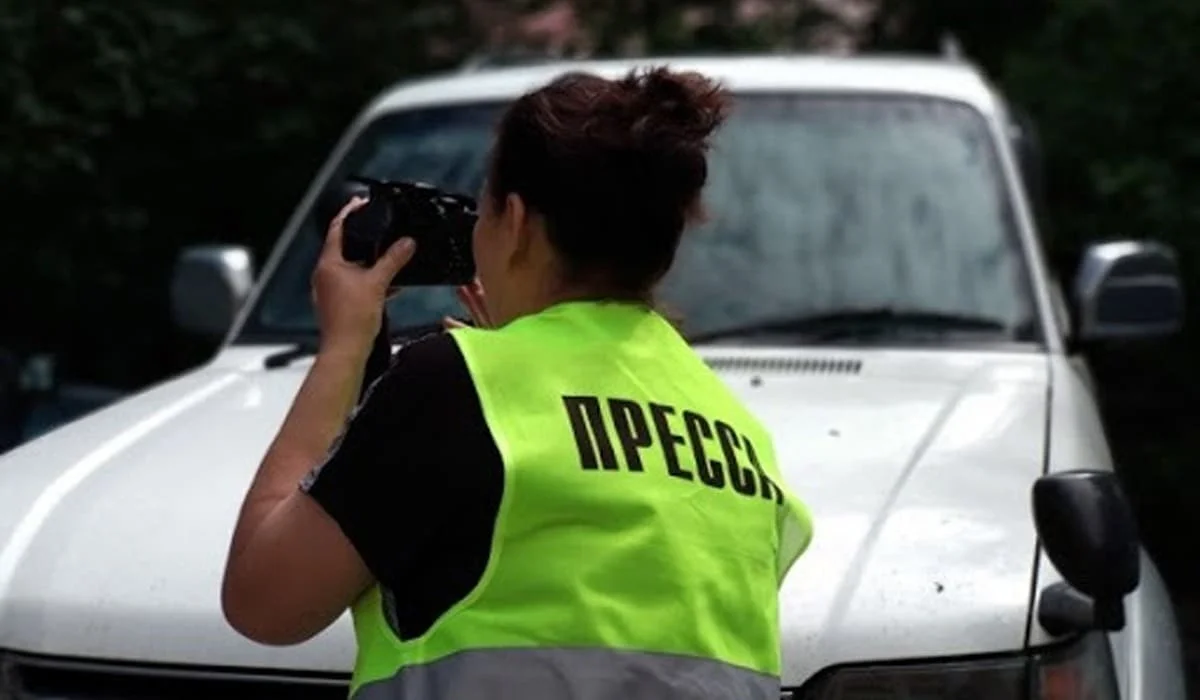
(1113, 88)
(139, 126)
(990, 28)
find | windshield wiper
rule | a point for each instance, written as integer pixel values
(308, 347)
(857, 323)
(283, 358)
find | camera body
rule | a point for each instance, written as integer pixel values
(440, 222)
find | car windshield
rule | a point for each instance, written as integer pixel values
(817, 205)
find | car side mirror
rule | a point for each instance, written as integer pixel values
(209, 286)
(1088, 530)
(1126, 290)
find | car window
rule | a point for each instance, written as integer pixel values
(846, 203)
(815, 202)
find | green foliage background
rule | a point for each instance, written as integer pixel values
(1113, 88)
(140, 126)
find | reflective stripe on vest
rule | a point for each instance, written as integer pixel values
(642, 534)
(572, 674)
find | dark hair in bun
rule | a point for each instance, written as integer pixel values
(615, 167)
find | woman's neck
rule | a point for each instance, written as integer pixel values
(559, 295)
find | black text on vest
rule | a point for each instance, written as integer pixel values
(611, 435)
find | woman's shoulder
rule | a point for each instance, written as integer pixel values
(459, 359)
(430, 351)
(426, 364)
(476, 345)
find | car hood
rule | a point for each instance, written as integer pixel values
(916, 467)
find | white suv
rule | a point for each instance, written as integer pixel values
(872, 284)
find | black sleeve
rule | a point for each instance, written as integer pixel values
(415, 479)
(380, 358)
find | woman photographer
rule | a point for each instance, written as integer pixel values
(562, 502)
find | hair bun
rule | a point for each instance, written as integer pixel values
(678, 108)
(616, 169)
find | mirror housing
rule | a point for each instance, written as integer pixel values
(1089, 533)
(1126, 290)
(209, 285)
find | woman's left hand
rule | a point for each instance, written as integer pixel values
(349, 298)
(472, 299)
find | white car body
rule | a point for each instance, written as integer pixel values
(917, 465)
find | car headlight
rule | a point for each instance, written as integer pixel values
(1080, 670)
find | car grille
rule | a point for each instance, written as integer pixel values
(40, 678)
(785, 364)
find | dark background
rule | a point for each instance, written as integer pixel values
(139, 126)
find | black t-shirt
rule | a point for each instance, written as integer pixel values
(415, 482)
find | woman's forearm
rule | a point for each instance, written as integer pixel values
(317, 415)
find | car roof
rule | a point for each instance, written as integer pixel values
(932, 77)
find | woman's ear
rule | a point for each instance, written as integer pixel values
(517, 222)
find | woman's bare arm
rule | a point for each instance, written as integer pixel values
(291, 571)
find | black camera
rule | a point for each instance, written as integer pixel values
(440, 222)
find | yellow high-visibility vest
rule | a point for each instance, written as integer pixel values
(642, 536)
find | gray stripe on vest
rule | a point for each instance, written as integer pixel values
(571, 674)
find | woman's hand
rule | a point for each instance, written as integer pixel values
(471, 297)
(348, 298)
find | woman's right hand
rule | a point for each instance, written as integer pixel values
(471, 297)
